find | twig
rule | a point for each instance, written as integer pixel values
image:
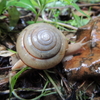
(6, 68)
(69, 6)
(81, 85)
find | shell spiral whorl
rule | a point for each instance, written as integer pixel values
(41, 46)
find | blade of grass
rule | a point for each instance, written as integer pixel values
(13, 80)
(43, 93)
(51, 80)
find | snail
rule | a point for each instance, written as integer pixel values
(42, 46)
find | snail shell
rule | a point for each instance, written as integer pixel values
(41, 46)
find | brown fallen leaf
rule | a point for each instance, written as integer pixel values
(2, 47)
(6, 53)
(87, 62)
(96, 98)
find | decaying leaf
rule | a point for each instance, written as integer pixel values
(6, 53)
(87, 62)
(2, 47)
(13, 59)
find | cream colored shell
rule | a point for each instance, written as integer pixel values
(41, 46)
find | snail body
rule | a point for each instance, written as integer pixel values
(41, 46)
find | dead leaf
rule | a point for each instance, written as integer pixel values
(87, 63)
(6, 53)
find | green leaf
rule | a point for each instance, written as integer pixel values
(72, 3)
(14, 16)
(68, 1)
(48, 1)
(34, 3)
(77, 8)
(4, 27)
(2, 5)
(43, 3)
(15, 77)
(32, 22)
(55, 4)
(12, 51)
(78, 20)
(22, 3)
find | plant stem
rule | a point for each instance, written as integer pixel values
(41, 9)
(43, 93)
(27, 99)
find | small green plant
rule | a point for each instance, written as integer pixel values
(44, 91)
(32, 5)
(13, 14)
(7, 13)
(73, 4)
(40, 6)
(12, 80)
(78, 21)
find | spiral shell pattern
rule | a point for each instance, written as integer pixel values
(39, 44)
